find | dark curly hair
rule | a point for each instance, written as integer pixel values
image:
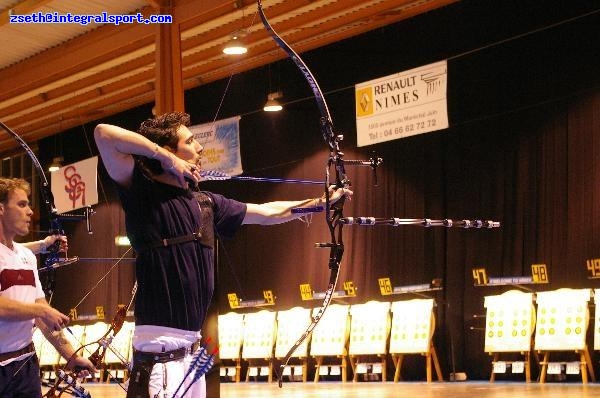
(163, 131)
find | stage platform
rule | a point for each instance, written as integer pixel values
(468, 389)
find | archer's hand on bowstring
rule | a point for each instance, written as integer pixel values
(48, 318)
(182, 170)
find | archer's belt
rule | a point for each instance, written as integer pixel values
(151, 358)
(14, 354)
(170, 241)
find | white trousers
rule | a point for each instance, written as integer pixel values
(166, 378)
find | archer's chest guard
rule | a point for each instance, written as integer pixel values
(207, 216)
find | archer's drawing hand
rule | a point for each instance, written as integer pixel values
(182, 170)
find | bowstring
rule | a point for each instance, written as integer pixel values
(214, 121)
(102, 278)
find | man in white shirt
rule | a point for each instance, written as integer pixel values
(22, 301)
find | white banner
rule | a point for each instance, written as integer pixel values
(221, 142)
(401, 105)
(75, 186)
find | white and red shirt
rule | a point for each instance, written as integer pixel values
(19, 281)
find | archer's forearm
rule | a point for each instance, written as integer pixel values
(278, 212)
(58, 340)
(36, 246)
(13, 310)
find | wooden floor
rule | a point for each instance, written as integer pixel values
(386, 390)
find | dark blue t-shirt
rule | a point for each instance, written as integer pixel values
(175, 283)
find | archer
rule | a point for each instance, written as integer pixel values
(22, 300)
(172, 227)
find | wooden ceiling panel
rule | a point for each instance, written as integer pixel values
(89, 73)
(25, 40)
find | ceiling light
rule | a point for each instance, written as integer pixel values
(235, 46)
(272, 105)
(56, 164)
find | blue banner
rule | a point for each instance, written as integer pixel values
(221, 142)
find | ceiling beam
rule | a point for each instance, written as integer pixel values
(71, 57)
(168, 78)
(69, 90)
(196, 12)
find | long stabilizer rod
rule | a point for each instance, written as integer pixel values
(422, 222)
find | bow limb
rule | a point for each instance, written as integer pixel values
(46, 193)
(326, 122)
(96, 358)
(333, 212)
(105, 341)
